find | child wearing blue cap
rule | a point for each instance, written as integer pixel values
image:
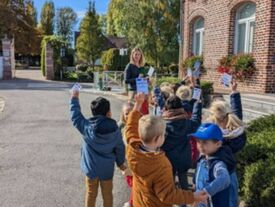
(214, 166)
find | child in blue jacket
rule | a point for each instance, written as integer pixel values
(102, 147)
(214, 166)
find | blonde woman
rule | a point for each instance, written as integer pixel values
(230, 122)
(134, 70)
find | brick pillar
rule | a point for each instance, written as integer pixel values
(49, 66)
(8, 58)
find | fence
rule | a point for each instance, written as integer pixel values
(109, 79)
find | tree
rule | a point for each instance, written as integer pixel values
(152, 25)
(47, 18)
(90, 41)
(103, 23)
(65, 21)
(17, 19)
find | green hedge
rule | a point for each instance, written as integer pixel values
(56, 43)
(113, 61)
(171, 80)
(256, 168)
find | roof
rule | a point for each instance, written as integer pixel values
(110, 42)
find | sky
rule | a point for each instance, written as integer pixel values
(79, 6)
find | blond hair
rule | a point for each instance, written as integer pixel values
(219, 111)
(150, 127)
(168, 90)
(184, 93)
(128, 105)
(142, 59)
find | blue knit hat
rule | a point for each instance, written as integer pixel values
(208, 131)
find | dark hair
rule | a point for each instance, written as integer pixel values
(173, 102)
(100, 106)
(176, 87)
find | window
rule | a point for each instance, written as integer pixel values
(198, 33)
(245, 27)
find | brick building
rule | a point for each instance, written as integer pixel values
(218, 28)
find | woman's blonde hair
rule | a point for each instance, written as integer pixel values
(142, 59)
(167, 91)
(184, 93)
(219, 111)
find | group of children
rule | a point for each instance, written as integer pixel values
(161, 148)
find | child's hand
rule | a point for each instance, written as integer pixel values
(122, 167)
(234, 85)
(200, 196)
(127, 172)
(75, 93)
(139, 98)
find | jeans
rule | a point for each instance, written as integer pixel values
(92, 190)
(234, 186)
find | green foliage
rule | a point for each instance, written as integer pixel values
(82, 67)
(151, 25)
(240, 66)
(111, 60)
(70, 75)
(244, 62)
(56, 43)
(90, 42)
(171, 80)
(47, 18)
(258, 181)
(79, 76)
(207, 87)
(257, 163)
(66, 19)
(174, 69)
(190, 62)
(262, 123)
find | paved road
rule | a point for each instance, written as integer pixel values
(39, 148)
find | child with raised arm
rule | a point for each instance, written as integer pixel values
(229, 119)
(153, 183)
(102, 147)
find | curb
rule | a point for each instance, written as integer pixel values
(107, 93)
(2, 104)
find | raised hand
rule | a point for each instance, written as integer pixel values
(234, 85)
(139, 98)
(75, 93)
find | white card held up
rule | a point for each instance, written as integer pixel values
(142, 85)
(76, 87)
(189, 72)
(196, 93)
(226, 79)
(151, 71)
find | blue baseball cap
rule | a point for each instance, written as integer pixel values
(208, 131)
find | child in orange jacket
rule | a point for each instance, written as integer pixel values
(153, 183)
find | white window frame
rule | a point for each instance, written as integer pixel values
(199, 31)
(248, 47)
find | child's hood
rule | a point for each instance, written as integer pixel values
(143, 164)
(103, 134)
(225, 154)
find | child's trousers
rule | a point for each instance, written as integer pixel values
(92, 190)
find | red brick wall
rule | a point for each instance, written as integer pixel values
(219, 16)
